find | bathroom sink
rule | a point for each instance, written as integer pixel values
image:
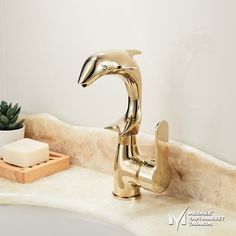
(38, 221)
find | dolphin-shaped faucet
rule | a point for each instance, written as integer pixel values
(130, 172)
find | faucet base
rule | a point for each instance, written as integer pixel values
(126, 198)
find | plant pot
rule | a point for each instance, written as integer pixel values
(9, 136)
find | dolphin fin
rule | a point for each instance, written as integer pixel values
(133, 52)
(122, 126)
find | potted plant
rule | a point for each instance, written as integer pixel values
(11, 129)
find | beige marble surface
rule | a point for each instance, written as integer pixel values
(89, 192)
(195, 174)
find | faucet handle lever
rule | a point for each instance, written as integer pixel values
(161, 134)
(156, 175)
(162, 175)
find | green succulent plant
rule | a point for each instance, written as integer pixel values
(9, 116)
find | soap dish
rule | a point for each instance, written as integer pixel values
(57, 162)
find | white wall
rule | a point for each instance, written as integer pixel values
(188, 63)
(2, 53)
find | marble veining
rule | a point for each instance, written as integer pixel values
(195, 174)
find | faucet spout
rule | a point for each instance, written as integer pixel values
(123, 64)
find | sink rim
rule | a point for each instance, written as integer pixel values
(84, 217)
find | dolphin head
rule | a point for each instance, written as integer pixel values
(111, 62)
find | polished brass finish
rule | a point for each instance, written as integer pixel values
(156, 175)
(130, 171)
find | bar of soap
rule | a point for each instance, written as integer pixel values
(26, 152)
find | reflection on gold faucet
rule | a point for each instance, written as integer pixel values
(131, 172)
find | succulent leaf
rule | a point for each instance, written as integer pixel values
(15, 107)
(4, 108)
(14, 119)
(18, 110)
(12, 126)
(9, 115)
(20, 126)
(10, 112)
(17, 125)
(4, 120)
(2, 126)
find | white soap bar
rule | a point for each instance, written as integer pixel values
(25, 152)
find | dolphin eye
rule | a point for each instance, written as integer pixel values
(104, 67)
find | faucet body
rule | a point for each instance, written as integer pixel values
(130, 171)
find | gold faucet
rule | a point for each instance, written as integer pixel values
(130, 171)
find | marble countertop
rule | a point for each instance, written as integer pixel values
(89, 192)
(194, 173)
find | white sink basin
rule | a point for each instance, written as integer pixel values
(38, 221)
